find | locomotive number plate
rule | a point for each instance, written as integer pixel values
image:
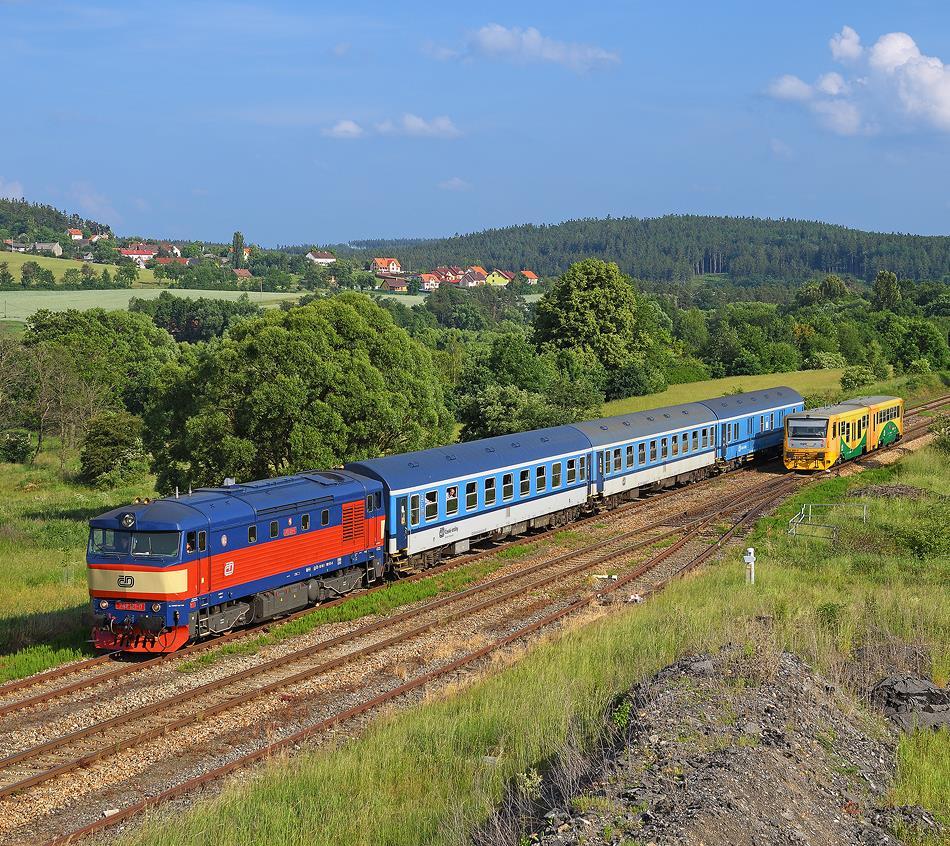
(130, 606)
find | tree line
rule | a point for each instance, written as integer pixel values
(201, 389)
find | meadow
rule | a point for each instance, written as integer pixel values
(431, 773)
(20, 305)
(59, 266)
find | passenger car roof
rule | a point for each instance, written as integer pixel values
(753, 402)
(642, 424)
(439, 464)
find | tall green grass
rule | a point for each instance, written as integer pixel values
(428, 775)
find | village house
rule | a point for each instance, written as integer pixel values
(165, 260)
(430, 281)
(242, 273)
(53, 247)
(499, 277)
(74, 234)
(139, 253)
(386, 265)
(448, 274)
(477, 268)
(99, 236)
(530, 276)
(394, 284)
(17, 246)
(171, 249)
(321, 257)
(472, 278)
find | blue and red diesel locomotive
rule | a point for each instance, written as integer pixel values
(165, 572)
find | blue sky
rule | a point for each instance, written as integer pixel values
(318, 123)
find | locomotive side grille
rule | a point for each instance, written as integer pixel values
(352, 520)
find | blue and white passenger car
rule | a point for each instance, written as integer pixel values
(449, 496)
(752, 424)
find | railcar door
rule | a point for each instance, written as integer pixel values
(600, 471)
(402, 522)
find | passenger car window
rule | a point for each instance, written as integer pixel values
(471, 496)
(630, 455)
(705, 438)
(432, 505)
(617, 466)
(507, 486)
(490, 491)
(664, 448)
(556, 475)
(684, 441)
(642, 453)
(582, 467)
(540, 478)
(452, 499)
(414, 510)
(525, 482)
(652, 450)
(676, 445)
(571, 471)
(695, 441)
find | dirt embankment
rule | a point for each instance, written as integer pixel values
(742, 748)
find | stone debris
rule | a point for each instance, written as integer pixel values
(912, 702)
(728, 749)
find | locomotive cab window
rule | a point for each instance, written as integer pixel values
(377, 499)
(273, 528)
(202, 541)
(432, 505)
(325, 517)
(369, 502)
(305, 522)
(507, 486)
(252, 534)
(471, 496)
(525, 482)
(490, 491)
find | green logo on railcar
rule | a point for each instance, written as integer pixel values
(849, 452)
(889, 433)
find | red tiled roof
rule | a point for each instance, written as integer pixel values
(137, 252)
(74, 231)
(505, 273)
(529, 274)
(242, 273)
(171, 261)
(385, 262)
(479, 269)
(429, 277)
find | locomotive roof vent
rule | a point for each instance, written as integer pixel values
(604, 428)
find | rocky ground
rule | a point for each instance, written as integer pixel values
(742, 747)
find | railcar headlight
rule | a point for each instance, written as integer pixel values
(103, 603)
(156, 606)
(128, 520)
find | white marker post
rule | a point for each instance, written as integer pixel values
(749, 559)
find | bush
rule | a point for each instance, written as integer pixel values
(825, 361)
(635, 379)
(112, 452)
(856, 377)
(682, 370)
(941, 429)
(16, 446)
(919, 366)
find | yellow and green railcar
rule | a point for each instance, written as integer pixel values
(823, 437)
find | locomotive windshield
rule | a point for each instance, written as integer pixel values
(150, 544)
(807, 429)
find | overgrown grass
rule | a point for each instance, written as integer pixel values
(430, 774)
(923, 769)
(43, 529)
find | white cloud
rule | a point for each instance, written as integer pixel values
(415, 126)
(529, 45)
(832, 84)
(790, 87)
(12, 190)
(344, 129)
(846, 45)
(456, 183)
(894, 87)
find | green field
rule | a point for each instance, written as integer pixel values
(432, 773)
(20, 305)
(804, 381)
(415, 299)
(59, 266)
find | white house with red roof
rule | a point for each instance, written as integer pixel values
(430, 281)
(386, 265)
(321, 257)
(74, 234)
(139, 253)
(530, 276)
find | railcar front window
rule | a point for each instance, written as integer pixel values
(807, 429)
(151, 544)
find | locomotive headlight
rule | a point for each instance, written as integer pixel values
(128, 520)
(103, 603)
(156, 606)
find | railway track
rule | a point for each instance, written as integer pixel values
(644, 578)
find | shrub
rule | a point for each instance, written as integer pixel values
(825, 361)
(941, 429)
(682, 370)
(16, 446)
(919, 366)
(856, 377)
(634, 379)
(112, 451)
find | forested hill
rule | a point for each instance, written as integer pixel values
(679, 246)
(18, 217)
